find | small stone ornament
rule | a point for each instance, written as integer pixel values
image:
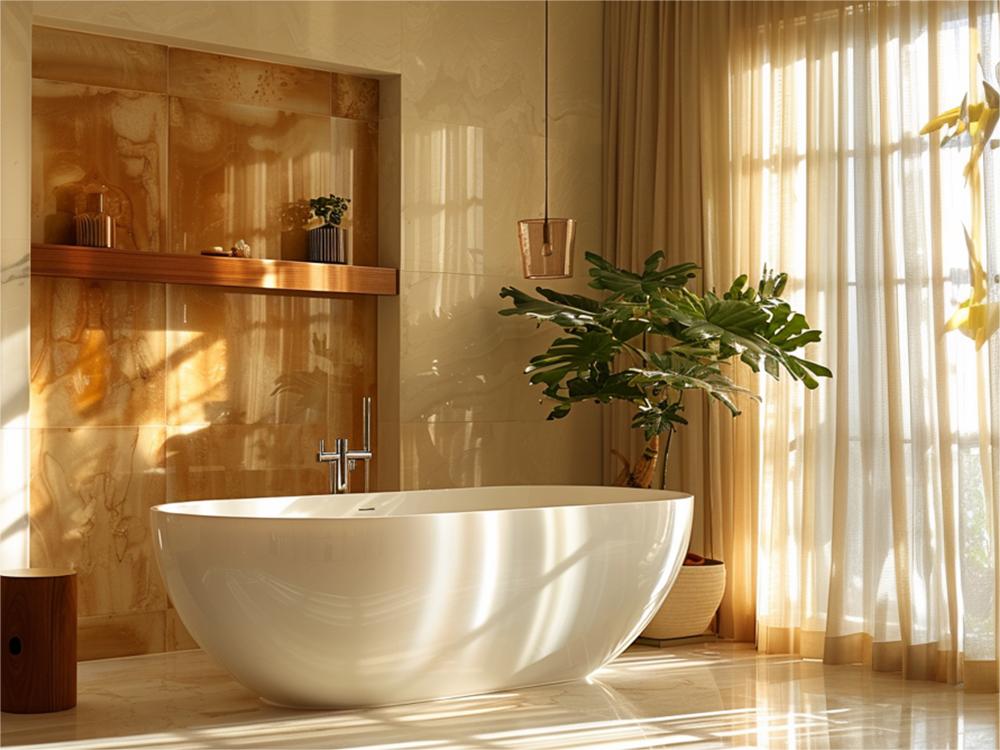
(240, 250)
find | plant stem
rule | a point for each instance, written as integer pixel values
(666, 457)
(666, 448)
(639, 354)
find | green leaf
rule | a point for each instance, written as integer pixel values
(629, 329)
(574, 301)
(559, 411)
(563, 314)
(653, 261)
(627, 285)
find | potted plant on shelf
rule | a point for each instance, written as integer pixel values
(328, 242)
(647, 342)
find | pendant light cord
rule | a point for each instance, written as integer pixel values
(546, 114)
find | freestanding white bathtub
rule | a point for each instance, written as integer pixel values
(369, 599)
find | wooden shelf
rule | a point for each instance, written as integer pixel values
(279, 276)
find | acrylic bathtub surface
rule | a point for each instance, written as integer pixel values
(355, 600)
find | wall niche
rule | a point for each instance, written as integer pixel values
(144, 393)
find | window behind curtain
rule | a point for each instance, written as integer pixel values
(878, 491)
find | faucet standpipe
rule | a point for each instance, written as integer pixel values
(343, 460)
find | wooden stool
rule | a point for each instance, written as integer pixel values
(38, 640)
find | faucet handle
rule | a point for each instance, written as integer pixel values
(366, 423)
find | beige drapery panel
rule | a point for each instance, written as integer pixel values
(859, 522)
(659, 128)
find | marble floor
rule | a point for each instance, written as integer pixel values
(695, 696)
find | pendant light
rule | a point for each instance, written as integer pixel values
(547, 243)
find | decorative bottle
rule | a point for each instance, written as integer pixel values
(95, 227)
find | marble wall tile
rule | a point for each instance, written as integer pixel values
(575, 129)
(62, 55)
(202, 75)
(437, 455)
(15, 324)
(15, 462)
(474, 64)
(460, 360)
(97, 353)
(388, 394)
(15, 219)
(227, 461)
(464, 190)
(15, 146)
(355, 97)
(15, 230)
(242, 172)
(390, 179)
(470, 454)
(110, 636)
(355, 175)
(571, 163)
(386, 475)
(91, 491)
(444, 198)
(91, 136)
(236, 358)
(576, 67)
(515, 189)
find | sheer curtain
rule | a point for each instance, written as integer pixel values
(877, 510)
(875, 498)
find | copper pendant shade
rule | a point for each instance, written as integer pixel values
(547, 244)
(547, 247)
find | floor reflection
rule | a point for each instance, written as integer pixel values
(698, 696)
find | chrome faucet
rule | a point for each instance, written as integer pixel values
(343, 460)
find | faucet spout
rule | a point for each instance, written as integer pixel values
(342, 460)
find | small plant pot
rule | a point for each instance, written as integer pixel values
(328, 244)
(691, 604)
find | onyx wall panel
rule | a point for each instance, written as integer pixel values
(150, 393)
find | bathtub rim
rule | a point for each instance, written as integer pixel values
(190, 508)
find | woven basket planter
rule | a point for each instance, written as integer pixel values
(691, 604)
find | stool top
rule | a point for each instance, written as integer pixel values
(37, 573)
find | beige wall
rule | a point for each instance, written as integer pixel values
(462, 101)
(15, 289)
